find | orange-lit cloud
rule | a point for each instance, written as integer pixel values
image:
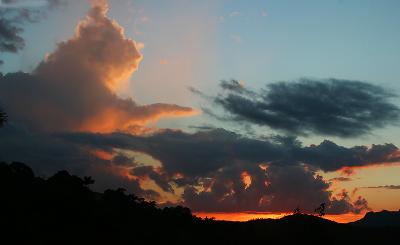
(75, 87)
(102, 154)
(246, 178)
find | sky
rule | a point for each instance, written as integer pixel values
(233, 108)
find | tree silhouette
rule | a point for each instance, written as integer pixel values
(63, 210)
(297, 210)
(320, 210)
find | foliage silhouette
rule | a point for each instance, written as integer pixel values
(63, 210)
(297, 210)
(320, 210)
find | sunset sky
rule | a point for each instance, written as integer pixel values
(236, 109)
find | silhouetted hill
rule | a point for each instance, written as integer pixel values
(296, 219)
(63, 210)
(379, 219)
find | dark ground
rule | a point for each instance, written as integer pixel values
(63, 210)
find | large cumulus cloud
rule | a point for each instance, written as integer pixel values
(335, 107)
(74, 88)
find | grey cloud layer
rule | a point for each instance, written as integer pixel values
(333, 107)
(47, 154)
(210, 173)
(209, 150)
(212, 162)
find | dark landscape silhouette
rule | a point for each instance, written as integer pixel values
(62, 209)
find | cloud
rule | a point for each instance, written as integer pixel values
(236, 39)
(10, 40)
(209, 150)
(264, 13)
(47, 154)
(341, 179)
(343, 202)
(278, 189)
(331, 107)
(14, 14)
(161, 179)
(388, 187)
(235, 14)
(75, 87)
(329, 156)
(24, 3)
(233, 85)
(123, 160)
(280, 173)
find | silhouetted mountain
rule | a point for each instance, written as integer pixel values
(379, 219)
(63, 210)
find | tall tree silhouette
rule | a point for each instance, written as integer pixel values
(320, 210)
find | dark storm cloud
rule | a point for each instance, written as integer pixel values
(47, 154)
(212, 162)
(191, 154)
(14, 14)
(10, 39)
(209, 150)
(123, 160)
(343, 202)
(329, 156)
(333, 107)
(278, 189)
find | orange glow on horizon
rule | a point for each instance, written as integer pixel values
(240, 216)
(246, 216)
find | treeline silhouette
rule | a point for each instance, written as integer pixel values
(63, 210)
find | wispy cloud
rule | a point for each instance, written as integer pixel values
(264, 13)
(235, 14)
(236, 39)
(388, 187)
(341, 179)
